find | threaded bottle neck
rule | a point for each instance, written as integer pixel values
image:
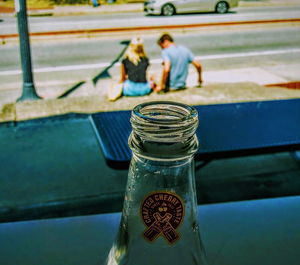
(164, 130)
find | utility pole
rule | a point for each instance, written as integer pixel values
(28, 91)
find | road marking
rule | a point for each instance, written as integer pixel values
(247, 54)
(154, 61)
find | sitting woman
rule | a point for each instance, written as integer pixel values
(134, 70)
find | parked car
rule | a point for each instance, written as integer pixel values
(171, 7)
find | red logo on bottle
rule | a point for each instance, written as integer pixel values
(162, 213)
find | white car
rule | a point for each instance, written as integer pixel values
(171, 7)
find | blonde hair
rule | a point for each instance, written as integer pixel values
(135, 51)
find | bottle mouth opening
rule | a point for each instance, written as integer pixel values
(164, 121)
(164, 112)
(164, 130)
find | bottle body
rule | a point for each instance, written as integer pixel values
(159, 219)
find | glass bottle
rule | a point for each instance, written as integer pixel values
(159, 217)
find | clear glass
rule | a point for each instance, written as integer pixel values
(159, 219)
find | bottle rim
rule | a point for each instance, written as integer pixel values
(187, 112)
(164, 129)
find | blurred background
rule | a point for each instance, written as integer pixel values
(249, 53)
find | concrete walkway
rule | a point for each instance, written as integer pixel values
(129, 7)
(231, 85)
(138, 7)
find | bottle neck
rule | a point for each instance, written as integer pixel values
(162, 163)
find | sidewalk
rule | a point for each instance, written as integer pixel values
(138, 7)
(130, 7)
(223, 86)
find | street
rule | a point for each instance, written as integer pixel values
(60, 23)
(61, 63)
(72, 61)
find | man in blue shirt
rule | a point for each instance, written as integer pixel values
(176, 60)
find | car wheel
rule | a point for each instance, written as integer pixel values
(222, 7)
(168, 10)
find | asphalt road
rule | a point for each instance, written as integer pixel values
(210, 46)
(63, 63)
(46, 24)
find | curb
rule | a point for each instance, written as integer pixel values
(27, 110)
